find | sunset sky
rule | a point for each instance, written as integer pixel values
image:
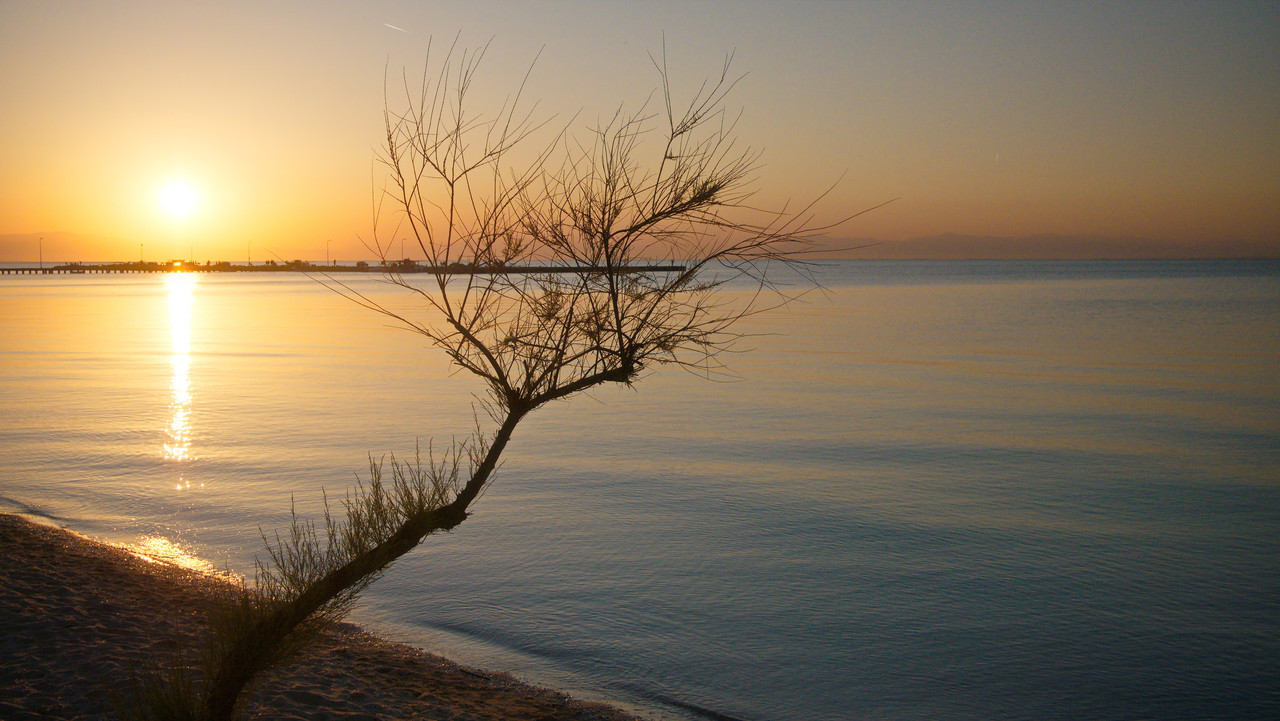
(235, 128)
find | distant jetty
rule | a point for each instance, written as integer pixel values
(302, 266)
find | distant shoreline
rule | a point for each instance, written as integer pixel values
(413, 267)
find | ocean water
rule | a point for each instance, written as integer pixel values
(937, 490)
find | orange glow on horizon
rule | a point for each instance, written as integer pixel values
(132, 124)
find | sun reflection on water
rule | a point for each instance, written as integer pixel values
(181, 299)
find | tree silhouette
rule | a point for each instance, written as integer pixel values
(551, 269)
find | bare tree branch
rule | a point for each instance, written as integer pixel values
(572, 264)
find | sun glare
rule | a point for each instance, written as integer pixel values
(178, 199)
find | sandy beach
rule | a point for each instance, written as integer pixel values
(79, 618)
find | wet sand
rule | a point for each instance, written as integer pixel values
(79, 619)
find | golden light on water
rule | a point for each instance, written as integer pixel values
(162, 550)
(179, 446)
(181, 299)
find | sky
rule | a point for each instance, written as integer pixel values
(234, 130)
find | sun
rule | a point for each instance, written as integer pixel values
(178, 199)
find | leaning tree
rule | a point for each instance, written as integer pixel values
(556, 262)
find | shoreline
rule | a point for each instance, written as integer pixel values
(79, 618)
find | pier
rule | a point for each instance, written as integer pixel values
(298, 266)
(70, 270)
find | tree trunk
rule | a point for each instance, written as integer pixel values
(252, 653)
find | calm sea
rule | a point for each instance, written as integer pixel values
(940, 490)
